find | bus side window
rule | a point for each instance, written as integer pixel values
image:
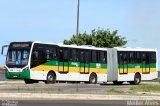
(125, 57)
(60, 55)
(94, 57)
(120, 57)
(102, 58)
(66, 55)
(147, 57)
(131, 57)
(87, 56)
(35, 58)
(153, 57)
(34, 55)
(82, 56)
(138, 57)
(143, 57)
(105, 54)
(74, 55)
(42, 56)
(54, 53)
(48, 57)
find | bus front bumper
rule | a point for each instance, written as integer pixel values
(17, 75)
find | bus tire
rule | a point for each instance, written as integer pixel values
(51, 78)
(29, 81)
(117, 82)
(137, 79)
(93, 78)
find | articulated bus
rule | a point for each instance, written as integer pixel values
(48, 62)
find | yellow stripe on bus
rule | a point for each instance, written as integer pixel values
(140, 70)
(96, 70)
(71, 69)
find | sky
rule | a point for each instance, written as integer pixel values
(55, 20)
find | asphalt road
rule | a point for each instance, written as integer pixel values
(62, 103)
(78, 103)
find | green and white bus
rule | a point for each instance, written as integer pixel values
(48, 62)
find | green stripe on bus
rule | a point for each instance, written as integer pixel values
(98, 65)
(152, 65)
(75, 64)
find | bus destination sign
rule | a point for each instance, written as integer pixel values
(20, 45)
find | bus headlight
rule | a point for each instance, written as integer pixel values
(25, 69)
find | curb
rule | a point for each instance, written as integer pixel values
(75, 96)
(11, 82)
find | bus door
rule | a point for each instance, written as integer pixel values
(145, 62)
(123, 63)
(63, 60)
(84, 62)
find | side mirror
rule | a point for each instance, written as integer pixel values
(3, 48)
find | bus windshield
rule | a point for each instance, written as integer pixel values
(17, 57)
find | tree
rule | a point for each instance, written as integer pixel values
(98, 38)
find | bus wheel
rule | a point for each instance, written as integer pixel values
(93, 78)
(137, 79)
(117, 82)
(51, 78)
(29, 81)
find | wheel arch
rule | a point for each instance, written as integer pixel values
(93, 74)
(135, 82)
(52, 71)
(138, 73)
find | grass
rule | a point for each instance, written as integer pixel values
(146, 88)
(117, 91)
(135, 89)
(154, 80)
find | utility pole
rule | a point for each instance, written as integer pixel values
(77, 31)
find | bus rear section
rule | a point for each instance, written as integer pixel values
(132, 65)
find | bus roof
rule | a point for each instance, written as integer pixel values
(83, 47)
(73, 46)
(90, 47)
(134, 49)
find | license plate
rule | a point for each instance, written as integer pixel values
(15, 76)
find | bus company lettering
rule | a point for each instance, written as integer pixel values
(75, 64)
(137, 66)
(98, 65)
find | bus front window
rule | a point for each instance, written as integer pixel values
(17, 58)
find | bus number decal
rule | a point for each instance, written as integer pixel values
(98, 65)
